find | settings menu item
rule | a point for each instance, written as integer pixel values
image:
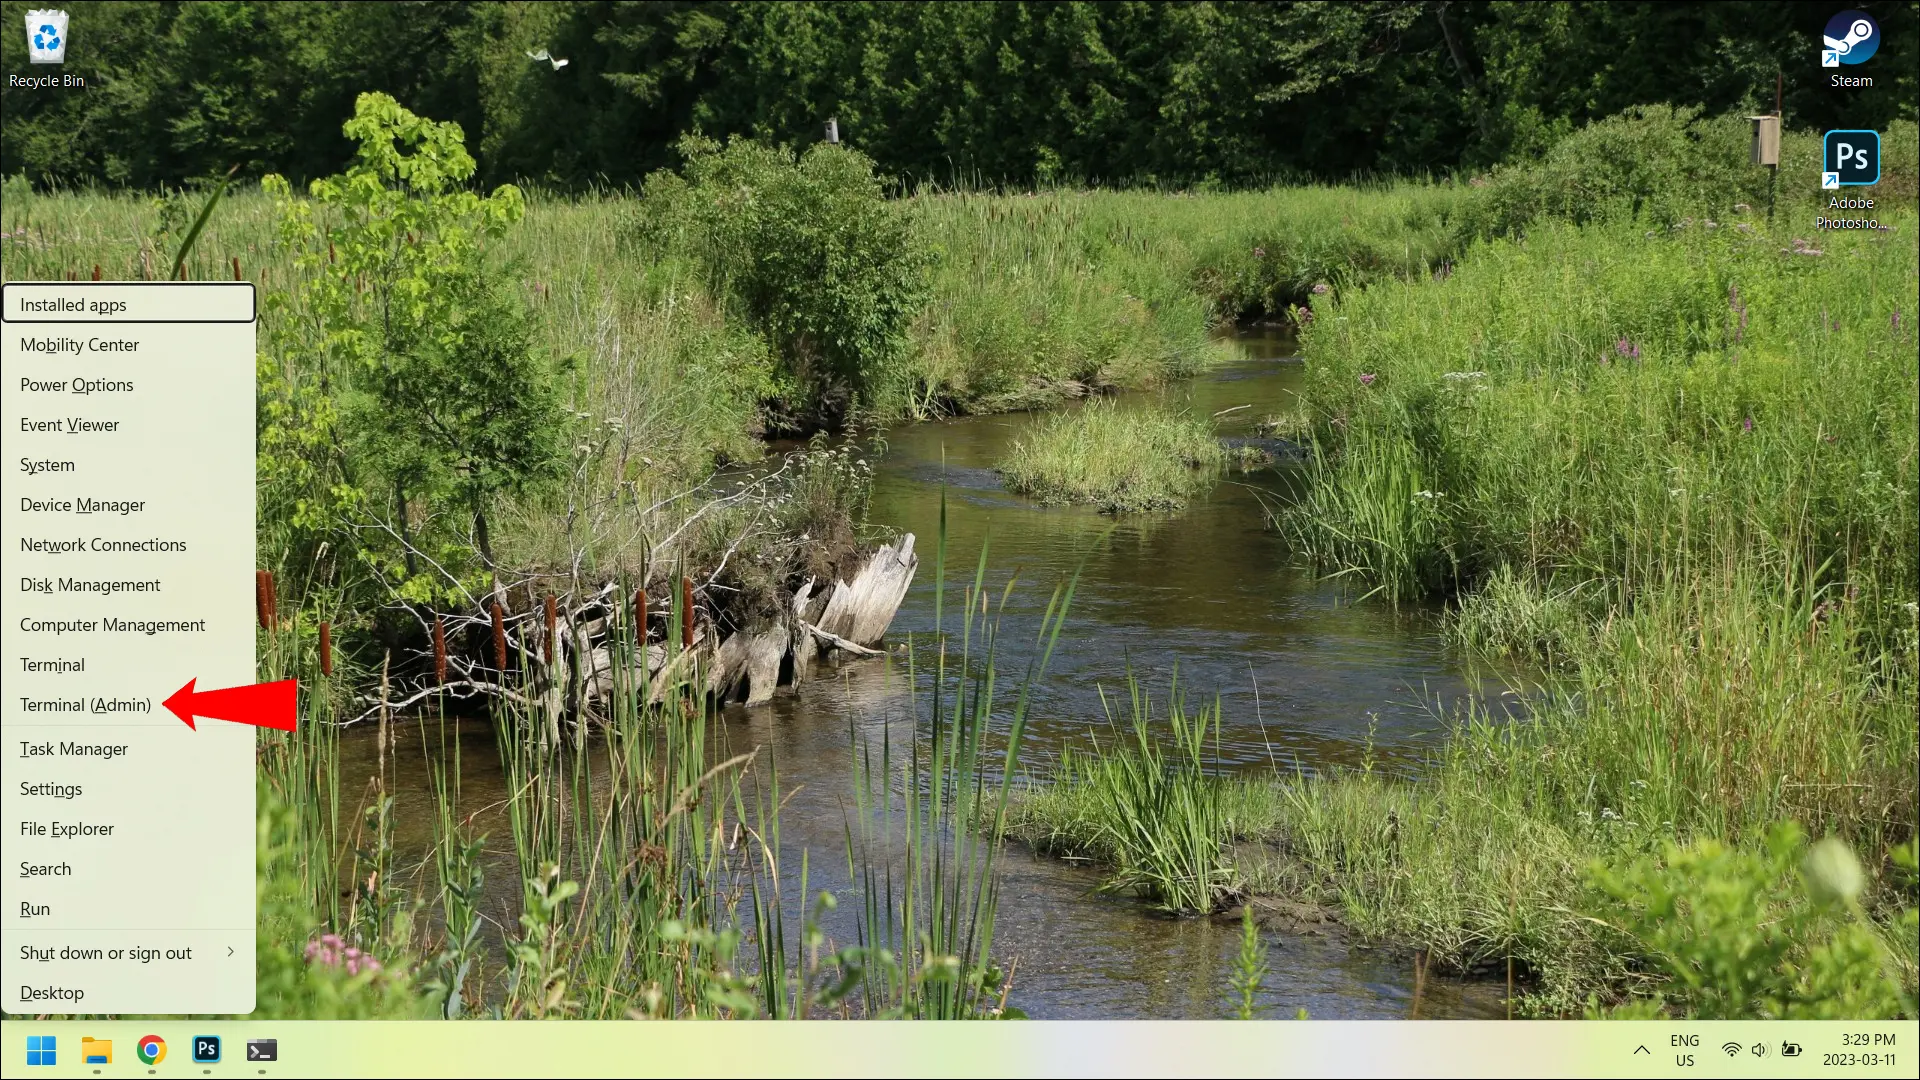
(127, 524)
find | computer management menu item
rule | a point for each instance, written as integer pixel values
(128, 522)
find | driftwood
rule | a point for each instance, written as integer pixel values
(851, 618)
(802, 646)
(861, 610)
(838, 642)
(748, 666)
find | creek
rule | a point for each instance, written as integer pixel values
(1307, 676)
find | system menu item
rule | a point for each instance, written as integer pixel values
(128, 530)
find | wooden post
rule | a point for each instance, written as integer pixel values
(1773, 170)
(833, 130)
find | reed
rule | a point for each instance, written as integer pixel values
(1144, 803)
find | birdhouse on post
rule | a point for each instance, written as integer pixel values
(1766, 140)
(833, 130)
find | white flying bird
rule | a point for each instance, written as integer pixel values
(544, 55)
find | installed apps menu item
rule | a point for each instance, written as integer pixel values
(127, 523)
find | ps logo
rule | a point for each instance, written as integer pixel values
(1852, 159)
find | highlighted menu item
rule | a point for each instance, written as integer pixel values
(127, 414)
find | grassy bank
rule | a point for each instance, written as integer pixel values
(1693, 719)
(1121, 460)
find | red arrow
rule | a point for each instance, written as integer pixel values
(262, 704)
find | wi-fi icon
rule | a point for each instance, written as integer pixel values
(1731, 1048)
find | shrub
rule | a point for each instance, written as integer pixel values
(813, 254)
(1769, 933)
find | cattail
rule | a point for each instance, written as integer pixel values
(553, 628)
(326, 649)
(439, 650)
(330, 258)
(273, 600)
(260, 597)
(640, 616)
(96, 271)
(686, 613)
(499, 638)
(236, 269)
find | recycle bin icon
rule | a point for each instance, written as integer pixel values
(47, 37)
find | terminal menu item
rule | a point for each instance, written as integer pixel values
(127, 522)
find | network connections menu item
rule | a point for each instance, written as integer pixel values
(127, 522)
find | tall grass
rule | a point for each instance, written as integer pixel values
(1595, 402)
(1121, 460)
(1144, 804)
(654, 881)
(1678, 465)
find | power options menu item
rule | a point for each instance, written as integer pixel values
(128, 520)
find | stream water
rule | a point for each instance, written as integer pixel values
(1306, 677)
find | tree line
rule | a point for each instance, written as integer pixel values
(1183, 94)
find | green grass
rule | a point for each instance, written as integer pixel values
(1706, 713)
(1597, 403)
(1150, 813)
(1123, 460)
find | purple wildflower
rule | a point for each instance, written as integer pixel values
(1626, 348)
(1320, 289)
(1747, 424)
(331, 950)
(1366, 379)
(1896, 320)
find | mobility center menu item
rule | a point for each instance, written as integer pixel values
(127, 416)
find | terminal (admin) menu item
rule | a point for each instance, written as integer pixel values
(127, 524)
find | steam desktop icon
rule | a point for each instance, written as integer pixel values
(47, 37)
(1852, 159)
(1852, 37)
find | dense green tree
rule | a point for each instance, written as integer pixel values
(1227, 92)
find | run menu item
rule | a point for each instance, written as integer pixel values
(128, 529)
